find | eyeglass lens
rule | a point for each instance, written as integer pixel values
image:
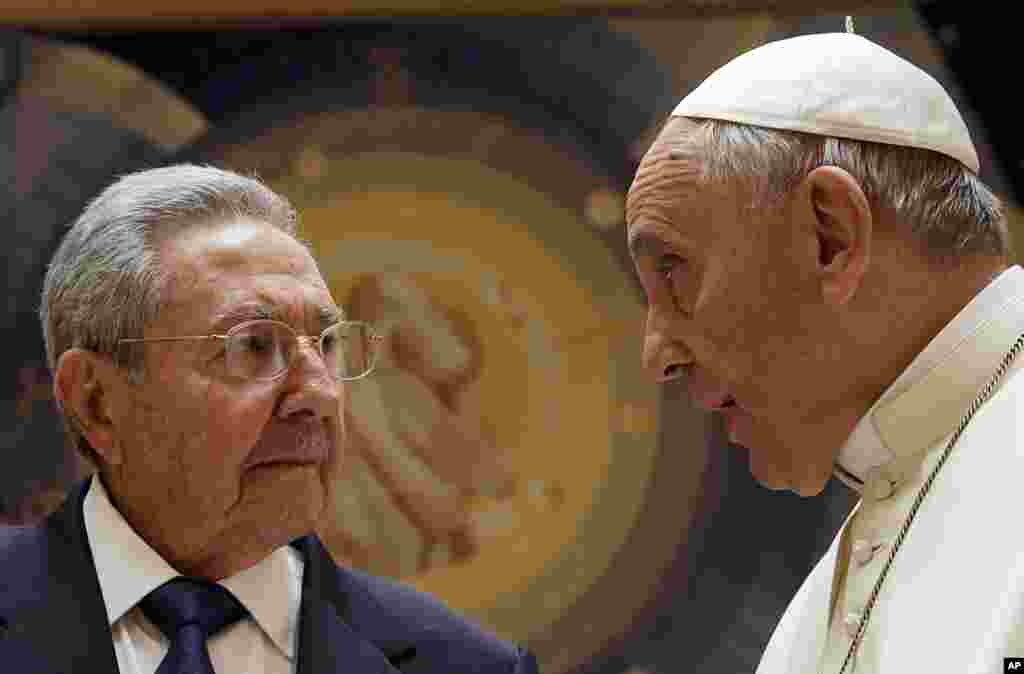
(265, 349)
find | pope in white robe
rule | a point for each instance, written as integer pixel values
(871, 316)
(953, 600)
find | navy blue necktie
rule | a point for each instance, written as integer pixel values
(189, 611)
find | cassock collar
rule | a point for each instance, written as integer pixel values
(128, 569)
(926, 402)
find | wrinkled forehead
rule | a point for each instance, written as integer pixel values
(210, 270)
(672, 166)
(235, 242)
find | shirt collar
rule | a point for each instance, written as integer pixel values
(911, 415)
(128, 569)
(272, 590)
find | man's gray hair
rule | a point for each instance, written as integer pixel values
(105, 282)
(950, 212)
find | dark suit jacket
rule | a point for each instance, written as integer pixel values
(53, 620)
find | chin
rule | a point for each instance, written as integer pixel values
(776, 480)
(808, 490)
(767, 473)
(291, 524)
(777, 483)
(309, 507)
(288, 500)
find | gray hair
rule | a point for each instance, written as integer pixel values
(950, 211)
(105, 282)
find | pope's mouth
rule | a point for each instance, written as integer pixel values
(737, 421)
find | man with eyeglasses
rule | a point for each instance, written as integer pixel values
(200, 362)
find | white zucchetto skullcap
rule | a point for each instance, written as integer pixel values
(834, 84)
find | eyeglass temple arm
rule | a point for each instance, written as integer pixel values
(375, 337)
(172, 339)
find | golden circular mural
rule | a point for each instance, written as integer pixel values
(500, 454)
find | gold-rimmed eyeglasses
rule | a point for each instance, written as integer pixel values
(264, 349)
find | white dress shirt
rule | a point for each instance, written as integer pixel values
(265, 642)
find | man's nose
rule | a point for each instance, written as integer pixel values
(310, 389)
(664, 358)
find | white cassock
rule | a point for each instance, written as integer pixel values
(953, 600)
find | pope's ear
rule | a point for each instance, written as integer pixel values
(843, 227)
(83, 387)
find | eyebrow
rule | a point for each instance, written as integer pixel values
(327, 315)
(654, 237)
(242, 313)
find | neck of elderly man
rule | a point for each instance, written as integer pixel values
(233, 550)
(855, 294)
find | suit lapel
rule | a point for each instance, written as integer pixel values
(328, 640)
(52, 603)
(56, 622)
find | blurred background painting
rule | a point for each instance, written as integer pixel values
(461, 180)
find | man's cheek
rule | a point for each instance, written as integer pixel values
(241, 414)
(234, 444)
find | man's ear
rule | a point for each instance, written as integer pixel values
(84, 388)
(843, 227)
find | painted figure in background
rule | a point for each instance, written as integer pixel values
(826, 269)
(418, 448)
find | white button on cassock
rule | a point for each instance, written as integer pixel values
(879, 487)
(863, 551)
(852, 623)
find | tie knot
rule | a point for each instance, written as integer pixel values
(189, 601)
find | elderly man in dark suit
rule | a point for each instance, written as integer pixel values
(199, 362)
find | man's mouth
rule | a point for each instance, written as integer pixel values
(284, 463)
(284, 444)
